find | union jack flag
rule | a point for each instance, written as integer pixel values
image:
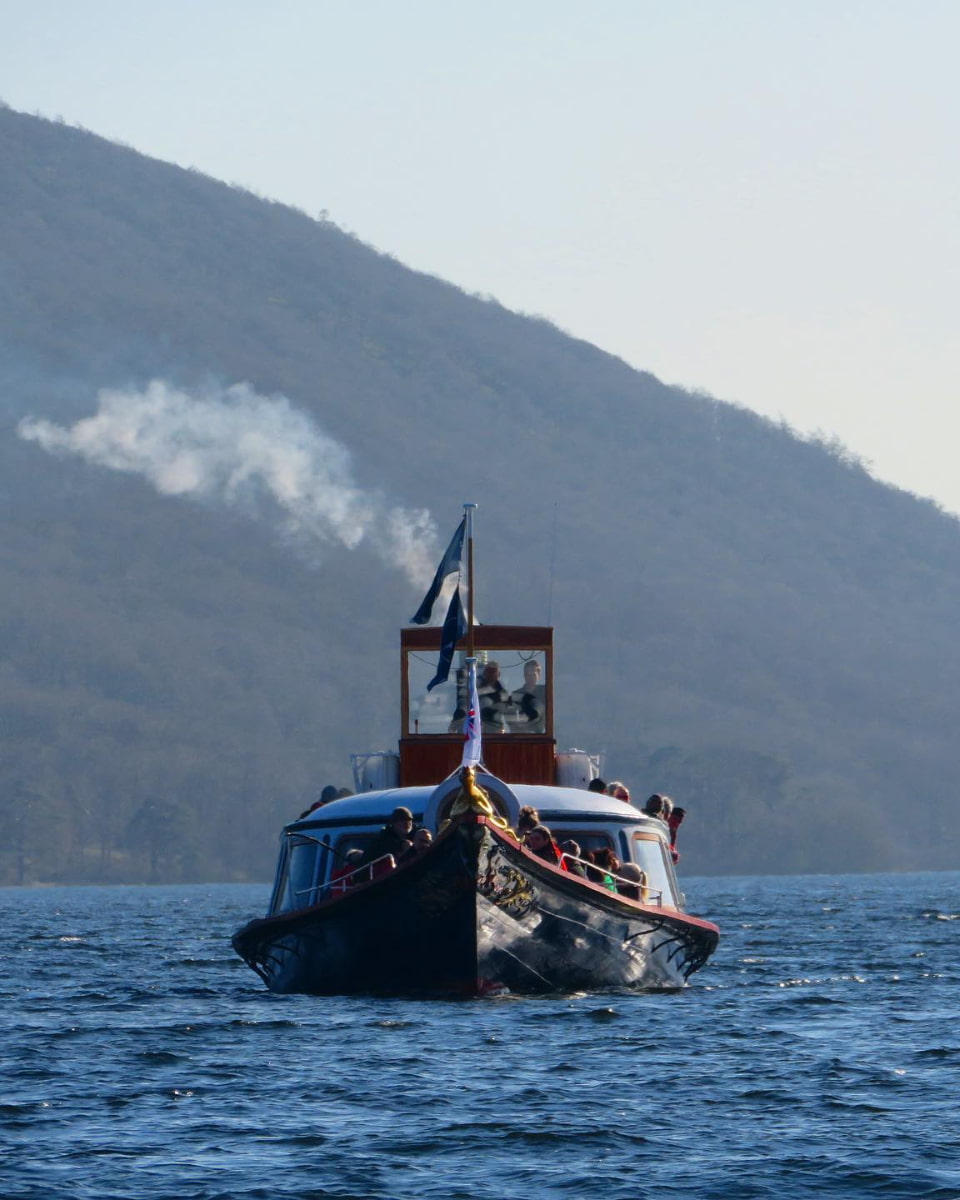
(471, 726)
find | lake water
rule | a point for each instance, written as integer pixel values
(818, 1055)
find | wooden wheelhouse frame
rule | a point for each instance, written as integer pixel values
(427, 758)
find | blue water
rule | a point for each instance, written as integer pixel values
(817, 1056)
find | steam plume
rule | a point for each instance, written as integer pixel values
(250, 452)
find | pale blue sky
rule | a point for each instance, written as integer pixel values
(755, 198)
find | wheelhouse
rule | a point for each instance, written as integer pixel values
(518, 744)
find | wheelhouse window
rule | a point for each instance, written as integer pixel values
(513, 689)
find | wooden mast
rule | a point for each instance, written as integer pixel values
(468, 510)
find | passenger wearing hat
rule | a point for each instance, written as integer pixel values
(393, 838)
(329, 793)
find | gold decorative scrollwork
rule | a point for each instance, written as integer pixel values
(473, 799)
(505, 886)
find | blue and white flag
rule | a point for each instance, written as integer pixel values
(454, 628)
(471, 726)
(448, 564)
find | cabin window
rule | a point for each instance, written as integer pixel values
(338, 858)
(342, 847)
(297, 886)
(649, 853)
(347, 842)
(280, 884)
(512, 688)
(586, 840)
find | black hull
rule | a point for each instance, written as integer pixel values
(475, 916)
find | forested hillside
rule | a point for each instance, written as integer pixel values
(190, 648)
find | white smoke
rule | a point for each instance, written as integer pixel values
(251, 452)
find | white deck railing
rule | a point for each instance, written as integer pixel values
(343, 883)
(648, 894)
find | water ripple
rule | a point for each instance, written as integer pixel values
(816, 1056)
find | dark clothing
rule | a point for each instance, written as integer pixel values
(494, 702)
(412, 853)
(387, 841)
(531, 707)
(552, 854)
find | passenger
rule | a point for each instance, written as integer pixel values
(674, 821)
(596, 785)
(393, 838)
(572, 851)
(422, 841)
(654, 806)
(527, 819)
(607, 865)
(540, 841)
(662, 808)
(666, 815)
(605, 857)
(619, 791)
(530, 702)
(637, 888)
(343, 877)
(594, 871)
(329, 793)
(494, 700)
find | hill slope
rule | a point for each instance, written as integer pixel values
(745, 619)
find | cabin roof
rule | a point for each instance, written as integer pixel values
(565, 803)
